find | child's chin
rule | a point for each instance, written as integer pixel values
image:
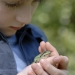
(9, 34)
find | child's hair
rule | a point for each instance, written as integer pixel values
(39, 0)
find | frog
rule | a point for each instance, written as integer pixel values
(45, 54)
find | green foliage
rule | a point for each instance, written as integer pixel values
(57, 19)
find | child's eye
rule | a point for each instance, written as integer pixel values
(17, 4)
(12, 5)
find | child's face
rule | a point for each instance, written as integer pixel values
(14, 14)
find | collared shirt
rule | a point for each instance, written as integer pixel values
(19, 58)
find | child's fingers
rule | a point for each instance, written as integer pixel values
(31, 73)
(38, 70)
(47, 46)
(50, 60)
(52, 49)
(49, 68)
(52, 70)
(42, 47)
(62, 61)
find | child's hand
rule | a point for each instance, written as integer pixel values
(47, 69)
(25, 70)
(49, 66)
(47, 46)
(46, 50)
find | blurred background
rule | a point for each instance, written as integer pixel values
(57, 19)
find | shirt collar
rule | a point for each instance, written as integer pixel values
(29, 29)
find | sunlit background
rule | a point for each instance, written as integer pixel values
(57, 19)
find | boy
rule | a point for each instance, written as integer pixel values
(19, 40)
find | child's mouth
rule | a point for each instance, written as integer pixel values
(15, 28)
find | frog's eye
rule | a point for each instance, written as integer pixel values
(44, 55)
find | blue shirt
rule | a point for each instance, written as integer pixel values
(19, 58)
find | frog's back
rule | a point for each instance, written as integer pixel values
(43, 55)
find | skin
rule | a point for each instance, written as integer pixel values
(17, 13)
(16, 16)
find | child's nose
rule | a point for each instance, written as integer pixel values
(24, 15)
